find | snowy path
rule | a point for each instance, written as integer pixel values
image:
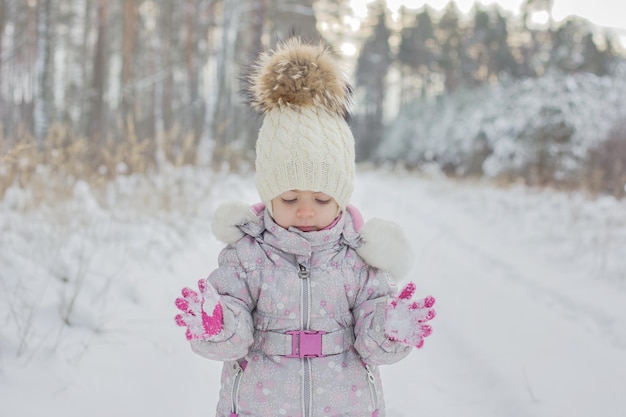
(517, 334)
(531, 296)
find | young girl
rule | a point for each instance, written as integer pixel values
(303, 308)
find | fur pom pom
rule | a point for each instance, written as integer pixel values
(226, 219)
(386, 247)
(297, 75)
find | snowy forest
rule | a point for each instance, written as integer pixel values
(116, 88)
(495, 138)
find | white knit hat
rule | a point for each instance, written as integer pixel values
(304, 142)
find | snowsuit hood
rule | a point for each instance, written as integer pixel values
(381, 243)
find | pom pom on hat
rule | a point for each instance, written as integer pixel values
(298, 75)
(304, 142)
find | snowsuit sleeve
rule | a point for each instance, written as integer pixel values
(370, 315)
(233, 342)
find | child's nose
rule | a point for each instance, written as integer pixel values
(305, 211)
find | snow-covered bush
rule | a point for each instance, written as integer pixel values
(541, 129)
(73, 263)
(607, 167)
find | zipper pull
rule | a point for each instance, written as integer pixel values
(303, 273)
(370, 374)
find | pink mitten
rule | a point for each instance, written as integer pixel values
(406, 319)
(201, 313)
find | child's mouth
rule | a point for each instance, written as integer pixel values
(307, 228)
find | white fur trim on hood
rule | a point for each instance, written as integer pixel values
(385, 246)
(226, 219)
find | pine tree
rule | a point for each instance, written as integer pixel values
(416, 55)
(450, 36)
(372, 68)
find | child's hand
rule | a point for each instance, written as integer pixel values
(201, 313)
(406, 319)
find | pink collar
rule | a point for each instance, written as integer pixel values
(334, 223)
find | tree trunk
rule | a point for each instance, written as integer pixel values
(96, 117)
(3, 21)
(129, 35)
(223, 121)
(26, 71)
(294, 17)
(249, 45)
(44, 99)
(191, 65)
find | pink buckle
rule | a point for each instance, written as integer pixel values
(306, 344)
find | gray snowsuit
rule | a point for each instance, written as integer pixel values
(303, 324)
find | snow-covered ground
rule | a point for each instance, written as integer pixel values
(530, 288)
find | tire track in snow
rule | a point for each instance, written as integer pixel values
(543, 329)
(519, 268)
(462, 379)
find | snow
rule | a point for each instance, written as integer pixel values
(509, 120)
(530, 287)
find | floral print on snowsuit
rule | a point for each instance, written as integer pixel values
(273, 281)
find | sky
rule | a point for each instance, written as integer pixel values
(605, 13)
(530, 291)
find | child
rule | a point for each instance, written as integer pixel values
(301, 308)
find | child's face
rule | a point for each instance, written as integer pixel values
(306, 210)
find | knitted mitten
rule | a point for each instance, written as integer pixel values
(406, 319)
(201, 312)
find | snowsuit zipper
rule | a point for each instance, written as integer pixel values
(305, 285)
(372, 384)
(234, 395)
